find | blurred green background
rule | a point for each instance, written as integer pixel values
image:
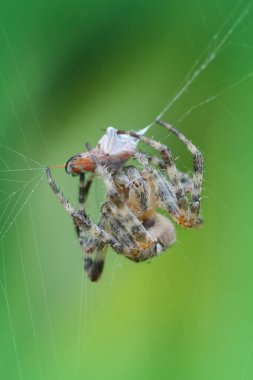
(67, 71)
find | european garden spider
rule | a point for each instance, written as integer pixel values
(129, 221)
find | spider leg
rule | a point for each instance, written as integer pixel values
(112, 222)
(84, 189)
(197, 167)
(83, 221)
(95, 254)
(158, 227)
(154, 160)
(94, 267)
(186, 182)
(83, 193)
(163, 189)
(185, 179)
(93, 243)
(118, 226)
(169, 164)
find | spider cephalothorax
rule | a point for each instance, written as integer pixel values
(129, 222)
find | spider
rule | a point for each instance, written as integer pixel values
(129, 222)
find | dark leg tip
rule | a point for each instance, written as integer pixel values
(94, 269)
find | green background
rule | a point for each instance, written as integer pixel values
(69, 69)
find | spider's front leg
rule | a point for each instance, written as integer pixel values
(169, 165)
(172, 193)
(185, 215)
(197, 178)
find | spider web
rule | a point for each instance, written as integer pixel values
(29, 289)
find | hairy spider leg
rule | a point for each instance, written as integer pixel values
(198, 160)
(164, 190)
(92, 266)
(176, 186)
(84, 221)
(118, 226)
(186, 217)
(80, 232)
(185, 179)
(169, 164)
